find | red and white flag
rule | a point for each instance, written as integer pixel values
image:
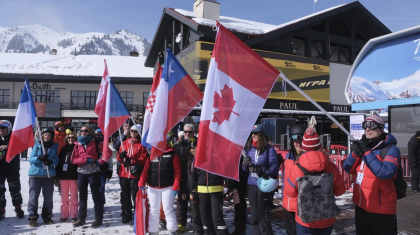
(102, 90)
(238, 84)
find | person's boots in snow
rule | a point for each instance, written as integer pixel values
(97, 223)
(32, 220)
(19, 212)
(46, 216)
(126, 217)
(79, 223)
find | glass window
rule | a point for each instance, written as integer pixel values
(4, 95)
(127, 97)
(83, 97)
(46, 96)
(145, 98)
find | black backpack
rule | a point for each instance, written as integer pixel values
(399, 182)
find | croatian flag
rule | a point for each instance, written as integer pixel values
(22, 136)
(238, 84)
(102, 90)
(150, 106)
(176, 96)
(115, 113)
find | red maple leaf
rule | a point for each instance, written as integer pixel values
(224, 104)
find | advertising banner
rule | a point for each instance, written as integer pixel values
(356, 129)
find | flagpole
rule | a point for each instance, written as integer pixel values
(315, 103)
(42, 141)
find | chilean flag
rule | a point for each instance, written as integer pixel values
(238, 84)
(22, 136)
(176, 96)
(102, 90)
(150, 106)
(115, 113)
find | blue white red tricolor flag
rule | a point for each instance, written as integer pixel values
(113, 115)
(238, 84)
(102, 90)
(176, 96)
(22, 136)
(150, 106)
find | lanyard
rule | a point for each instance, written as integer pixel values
(257, 155)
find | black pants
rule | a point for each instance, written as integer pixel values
(128, 194)
(289, 222)
(94, 181)
(260, 211)
(240, 212)
(371, 224)
(211, 211)
(13, 180)
(181, 213)
(181, 210)
(415, 178)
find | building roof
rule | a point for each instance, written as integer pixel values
(23, 64)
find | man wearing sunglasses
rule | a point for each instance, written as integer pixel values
(414, 161)
(182, 149)
(374, 192)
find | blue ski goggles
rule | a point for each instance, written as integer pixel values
(297, 137)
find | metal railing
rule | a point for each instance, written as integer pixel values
(9, 105)
(72, 106)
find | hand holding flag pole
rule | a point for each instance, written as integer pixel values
(42, 143)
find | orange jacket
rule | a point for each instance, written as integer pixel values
(59, 138)
(289, 203)
(314, 161)
(136, 152)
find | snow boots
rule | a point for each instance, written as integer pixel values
(46, 216)
(97, 223)
(32, 220)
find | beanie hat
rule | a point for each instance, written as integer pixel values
(180, 134)
(68, 131)
(311, 141)
(136, 127)
(417, 133)
(98, 130)
(378, 119)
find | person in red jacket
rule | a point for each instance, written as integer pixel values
(134, 155)
(374, 192)
(60, 134)
(163, 176)
(313, 160)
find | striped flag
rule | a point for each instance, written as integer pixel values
(102, 90)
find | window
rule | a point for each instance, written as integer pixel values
(47, 96)
(83, 98)
(127, 97)
(4, 96)
(145, 98)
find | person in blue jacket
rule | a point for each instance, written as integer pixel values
(261, 160)
(41, 177)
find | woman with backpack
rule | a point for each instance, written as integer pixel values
(133, 159)
(67, 174)
(86, 155)
(41, 177)
(314, 161)
(261, 161)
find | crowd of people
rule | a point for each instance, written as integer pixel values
(74, 161)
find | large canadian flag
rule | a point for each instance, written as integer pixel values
(238, 84)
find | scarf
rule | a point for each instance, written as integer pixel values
(373, 142)
(48, 144)
(254, 143)
(83, 140)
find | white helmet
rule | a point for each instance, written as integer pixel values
(7, 124)
(137, 127)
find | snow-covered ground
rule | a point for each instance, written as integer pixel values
(112, 219)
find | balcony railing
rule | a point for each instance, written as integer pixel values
(9, 105)
(71, 106)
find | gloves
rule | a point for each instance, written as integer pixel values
(123, 155)
(43, 157)
(48, 162)
(142, 188)
(90, 161)
(415, 164)
(246, 161)
(359, 148)
(194, 196)
(175, 192)
(255, 169)
(109, 176)
(126, 163)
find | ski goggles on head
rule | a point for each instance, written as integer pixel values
(297, 136)
(372, 125)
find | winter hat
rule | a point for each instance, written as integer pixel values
(311, 141)
(417, 133)
(136, 127)
(180, 134)
(68, 131)
(378, 119)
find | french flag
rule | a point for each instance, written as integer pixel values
(150, 106)
(115, 114)
(22, 136)
(238, 84)
(176, 96)
(102, 90)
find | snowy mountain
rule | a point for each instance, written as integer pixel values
(363, 90)
(40, 39)
(404, 87)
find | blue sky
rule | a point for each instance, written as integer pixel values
(142, 16)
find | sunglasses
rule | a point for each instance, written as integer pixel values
(84, 130)
(297, 137)
(71, 137)
(134, 131)
(189, 132)
(371, 125)
(3, 127)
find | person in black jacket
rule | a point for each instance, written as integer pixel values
(67, 174)
(414, 161)
(9, 171)
(208, 188)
